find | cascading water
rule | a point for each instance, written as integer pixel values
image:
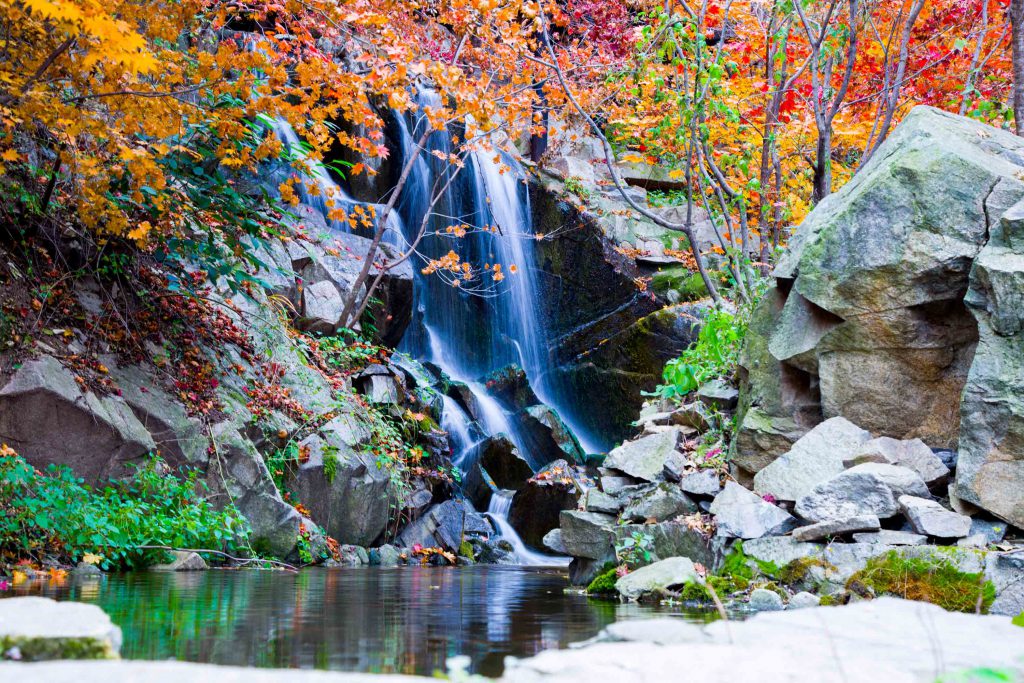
(467, 336)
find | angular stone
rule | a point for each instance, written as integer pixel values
(847, 495)
(676, 466)
(587, 534)
(887, 537)
(702, 483)
(913, 454)
(644, 458)
(182, 561)
(929, 517)
(718, 395)
(548, 436)
(900, 480)
(993, 531)
(827, 529)
(780, 550)
(661, 503)
(553, 542)
(693, 416)
(660, 576)
(764, 600)
(536, 506)
(503, 462)
(614, 483)
(445, 525)
(47, 418)
(740, 513)
(815, 458)
(42, 629)
(598, 501)
(1006, 572)
(322, 307)
(803, 600)
(389, 555)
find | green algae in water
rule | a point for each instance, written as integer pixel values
(928, 579)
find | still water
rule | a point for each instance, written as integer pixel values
(403, 620)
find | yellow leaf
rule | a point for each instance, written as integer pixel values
(92, 558)
(10, 155)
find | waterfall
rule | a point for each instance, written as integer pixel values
(497, 511)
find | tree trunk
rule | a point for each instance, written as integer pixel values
(1017, 41)
(539, 143)
(823, 166)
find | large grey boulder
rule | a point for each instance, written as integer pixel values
(657, 577)
(644, 458)
(740, 513)
(913, 454)
(503, 462)
(764, 600)
(42, 629)
(900, 480)
(815, 458)
(883, 267)
(990, 469)
(847, 495)
(930, 518)
(49, 419)
(587, 534)
(343, 488)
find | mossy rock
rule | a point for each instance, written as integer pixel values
(604, 583)
(687, 284)
(798, 573)
(43, 629)
(928, 579)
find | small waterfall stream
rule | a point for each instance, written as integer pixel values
(466, 335)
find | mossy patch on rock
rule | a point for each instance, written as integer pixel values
(687, 284)
(928, 579)
(604, 582)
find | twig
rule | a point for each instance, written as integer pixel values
(240, 560)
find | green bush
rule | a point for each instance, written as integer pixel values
(713, 355)
(56, 513)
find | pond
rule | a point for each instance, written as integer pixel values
(403, 620)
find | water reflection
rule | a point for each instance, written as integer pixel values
(403, 620)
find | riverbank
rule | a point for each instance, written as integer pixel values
(881, 640)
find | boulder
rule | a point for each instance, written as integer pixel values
(42, 629)
(900, 480)
(644, 458)
(48, 419)
(912, 454)
(655, 578)
(849, 494)
(990, 467)
(322, 306)
(718, 395)
(676, 539)
(446, 526)
(553, 542)
(1006, 572)
(702, 483)
(930, 518)
(387, 555)
(547, 437)
(659, 503)
(502, 461)
(830, 528)
(595, 500)
(780, 550)
(815, 458)
(613, 482)
(182, 561)
(764, 600)
(344, 489)
(511, 386)
(536, 506)
(587, 534)
(740, 513)
(803, 600)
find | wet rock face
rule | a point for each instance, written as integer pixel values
(610, 341)
(898, 307)
(536, 506)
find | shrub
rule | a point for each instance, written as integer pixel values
(713, 355)
(56, 513)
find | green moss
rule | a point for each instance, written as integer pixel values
(687, 283)
(466, 550)
(928, 579)
(830, 601)
(1018, 620)
(797, 570)
(604, 582)
(43, 649)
